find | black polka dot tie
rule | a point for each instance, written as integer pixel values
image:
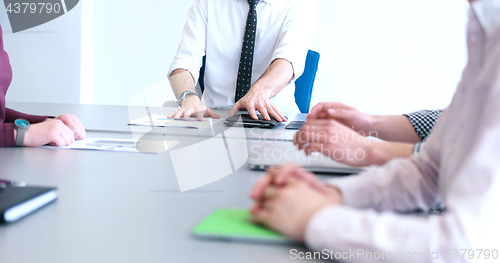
(246, 60)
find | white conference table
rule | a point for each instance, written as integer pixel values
(120, 207)
(108, 118)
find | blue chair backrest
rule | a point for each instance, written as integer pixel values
(303, 85)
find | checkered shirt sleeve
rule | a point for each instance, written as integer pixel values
(423, 121)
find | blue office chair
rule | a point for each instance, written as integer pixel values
(303, 85)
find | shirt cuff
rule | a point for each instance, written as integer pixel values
(423, 121)
(320, 230)
(350, 187)
(417, 148)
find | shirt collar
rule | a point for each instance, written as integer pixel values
(488, 14)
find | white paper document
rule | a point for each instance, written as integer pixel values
(162, 121)
(100, 144)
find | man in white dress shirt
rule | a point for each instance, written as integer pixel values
(277, 35)
(358, 219)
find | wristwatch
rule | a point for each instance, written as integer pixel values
(184, 95)
(21, 127)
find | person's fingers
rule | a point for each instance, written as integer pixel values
(259, 187)
(286, 171)
(187, 114)
(321, 110)
(296, 137)
(322, 115)
(272, 112)
(316, 110)
(234, 109)
(256, 207)
(68, 121)
(82, 134)
(71, 136)
(319, 124)
(232, 112)
(269, 204)
(172, 114)
(298, 179)
(343, 106)
(263, 111)
(314, 130)
(74, 125)
(67, 134)
(301, 139)
(199, 115)
(314, 148)
(313, 134)
(251, 110)
(296, 174)
(60, 134)
(340, 114)
(269, 192)
(179, 113)
(283, 117)
(57, 141)
(262, 217)
(300, 135)
(338, 105)
(212, 114)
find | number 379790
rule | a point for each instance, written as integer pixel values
(33, 8)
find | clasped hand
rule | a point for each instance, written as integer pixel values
(286, 198)
(60, 131)
(333, 129)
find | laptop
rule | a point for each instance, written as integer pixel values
(274, 154)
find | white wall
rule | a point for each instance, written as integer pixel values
(386, 56)
(45, 59)
(132, 47)
(390, 56)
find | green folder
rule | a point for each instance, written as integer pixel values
(234, 225)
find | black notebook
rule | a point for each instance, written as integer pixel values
(245, 120)
(18, 202)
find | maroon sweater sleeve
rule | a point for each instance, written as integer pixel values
(12, 115)
(7, 135)
(7, 129)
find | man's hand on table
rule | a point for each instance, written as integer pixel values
(257, 99)
(192, 107)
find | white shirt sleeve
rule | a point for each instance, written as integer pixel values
(401, 185)
(296, 35)
(471, 193)
(192, 47)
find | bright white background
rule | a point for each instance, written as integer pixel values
(382, 56)
(46, 59)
